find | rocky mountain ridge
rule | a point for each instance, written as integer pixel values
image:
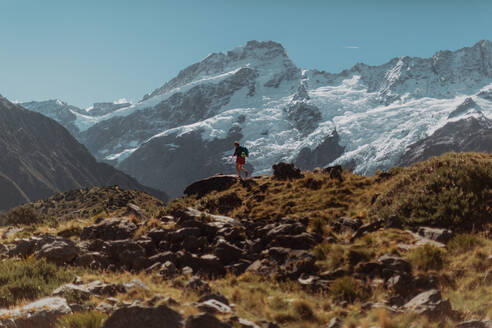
(40, 158)
(366, 117)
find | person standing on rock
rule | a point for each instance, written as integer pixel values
(241, 153)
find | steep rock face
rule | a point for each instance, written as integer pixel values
(468, 134)
(202, 101)
(58, 110)
(326, 152)
(40, 158)
(288, 114)
(266, 54)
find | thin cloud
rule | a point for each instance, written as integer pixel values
(351, 47)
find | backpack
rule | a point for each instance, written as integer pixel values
(244, 152)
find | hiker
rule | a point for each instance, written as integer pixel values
(241, 153)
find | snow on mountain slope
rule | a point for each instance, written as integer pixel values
(366, 116)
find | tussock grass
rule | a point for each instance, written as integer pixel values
(427, 258)
(453, 190)
(91, 319)
(29, 279)
(346, 289)
(316, 196)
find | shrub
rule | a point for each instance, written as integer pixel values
(303, 311)
(317, 225)
(427, 257)
(464, 243)
(346, 289)
(29, 279)
(91, 319)
(21, 215)
(450, 190)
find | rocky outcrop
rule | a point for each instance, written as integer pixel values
(42, 313)
(429, 303)
(304, 117)
(322, 155)
(466, 135)
(216, 183)
(283, 171)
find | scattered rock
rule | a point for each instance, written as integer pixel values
(214, 296)
(394, 263)
(227, 253)
(214, 306)
(168, 270)
(335, 323)
(105, 307)
(346, 225)
(198, 285)
(314, 283)
(335, 172)
(436, 234)
(134, 210)
(135, 284)
(475, 324)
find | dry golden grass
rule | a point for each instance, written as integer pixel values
(462, 268)
(265, 197)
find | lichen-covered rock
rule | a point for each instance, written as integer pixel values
(110, 229)
(42, 313)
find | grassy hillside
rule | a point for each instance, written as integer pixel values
(452, 191)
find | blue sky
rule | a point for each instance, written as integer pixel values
(88, 51)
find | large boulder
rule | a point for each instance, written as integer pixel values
(205, 320)
(429, 303)
(284, 171)
(94, 260)
(136, 316)
(84, 291)
(110, 229)
(59, 252)
(436, 234)
(128, 254)
(40, 314)
(218, 182)
(227, 253)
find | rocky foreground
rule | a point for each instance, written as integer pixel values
(187, 267)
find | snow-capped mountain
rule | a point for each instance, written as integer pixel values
(366, 117)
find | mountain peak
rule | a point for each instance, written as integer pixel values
(253, 54)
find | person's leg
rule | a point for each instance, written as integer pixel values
(238, 169)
